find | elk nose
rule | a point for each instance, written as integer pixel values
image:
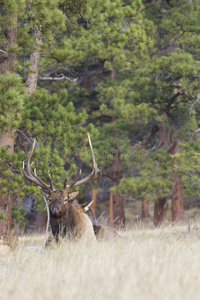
(55, 209)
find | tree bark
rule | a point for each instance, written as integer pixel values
(177, 190)
(111, 213)
(7, 59)
(7, 137)
(31, 79)
(23, 137)
(6, 140)
(118, 200)
(145, 208)
(159, 211)
(159, 205)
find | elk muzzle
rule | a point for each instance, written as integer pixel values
(55, 209)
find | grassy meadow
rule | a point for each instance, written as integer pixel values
(144, 263)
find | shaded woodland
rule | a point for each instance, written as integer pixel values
(127, 72)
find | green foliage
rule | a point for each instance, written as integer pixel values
(2, 216)
(12, 93)
(107, 33)
(187, 163)
(18, 215)
(9, 8)
(107, 39)
(169, 79)
(61, 138)
(11, 179)
(53, 122)
(165, 87)
(137, 72)
(42, 17)
(152, 177)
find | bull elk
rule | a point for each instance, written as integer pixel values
(66, 218)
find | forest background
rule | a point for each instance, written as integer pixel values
(127, 72)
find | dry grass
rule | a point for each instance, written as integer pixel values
(143, 264)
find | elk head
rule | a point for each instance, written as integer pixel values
(59, 200)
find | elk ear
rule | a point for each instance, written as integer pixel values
(72, 195)
(86, 205)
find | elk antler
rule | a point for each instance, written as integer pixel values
(95, 171)
(32, 176)
(69, 186)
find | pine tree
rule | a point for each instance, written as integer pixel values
(60, 135)
(102, 45)
(166, 85)
(11, 96)
(38, 24)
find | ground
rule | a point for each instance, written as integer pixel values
(143, 263)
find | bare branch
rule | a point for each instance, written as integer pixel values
(25, 136)
(191, 106)
(48, 220)
(3, 51)
(58, 78)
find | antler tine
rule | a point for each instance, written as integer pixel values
(30, 175)
(65, 182)
(71, 185)
(42, 183)
(51, 181)
(95, 170)
(28, 166)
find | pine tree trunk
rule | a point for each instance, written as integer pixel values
(118, 200)
(31, 80)
(111, 214)
(7, 59)
(159, 211)
(23, 137)
(145, 208)
(7, 137)
(159, 205)
(6, 140)
(177, 190)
